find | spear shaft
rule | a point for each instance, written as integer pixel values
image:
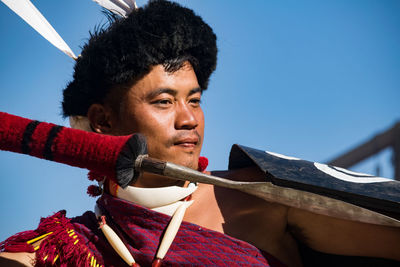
(266, 190)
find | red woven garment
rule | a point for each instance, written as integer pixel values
(140, 229)
(60, 244)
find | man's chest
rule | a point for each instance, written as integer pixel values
(238, 214)
(245, 217)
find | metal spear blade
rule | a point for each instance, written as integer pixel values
(287, 196)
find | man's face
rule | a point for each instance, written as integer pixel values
(165, 107)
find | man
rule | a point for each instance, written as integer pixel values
(146, 74)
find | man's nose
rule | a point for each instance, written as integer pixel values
(185, 117)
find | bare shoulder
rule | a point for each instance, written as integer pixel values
(337, 236)
(17, 259)
(252, 219)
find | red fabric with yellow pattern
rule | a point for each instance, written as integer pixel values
(140, 229)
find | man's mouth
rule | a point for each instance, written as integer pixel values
(188, 142)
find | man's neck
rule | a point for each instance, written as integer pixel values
(149, 180)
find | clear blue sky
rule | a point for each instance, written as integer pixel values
(309, 79)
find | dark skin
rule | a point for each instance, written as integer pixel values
(165, 107)
(275, 228)
(245, 217)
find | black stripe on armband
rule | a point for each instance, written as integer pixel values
(47, 153)
(27, 137)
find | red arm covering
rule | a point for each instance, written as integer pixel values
(109, 155)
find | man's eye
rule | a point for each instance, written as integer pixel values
(162, 102)
(195, 101)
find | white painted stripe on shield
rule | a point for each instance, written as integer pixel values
(349, 176)
(282, 156)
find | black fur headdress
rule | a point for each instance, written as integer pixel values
(159, 33)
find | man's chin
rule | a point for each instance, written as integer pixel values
(190, 161)
(152, 180)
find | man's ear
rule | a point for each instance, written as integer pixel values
(100, 118)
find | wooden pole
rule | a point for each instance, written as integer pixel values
(389, 138)
(396, 153)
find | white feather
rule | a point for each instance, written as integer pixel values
(119, 7)
(121, 3)
(131, 3)
(28, 12)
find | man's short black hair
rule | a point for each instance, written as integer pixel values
(159, 33)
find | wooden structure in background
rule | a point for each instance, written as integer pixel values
(389, 138)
